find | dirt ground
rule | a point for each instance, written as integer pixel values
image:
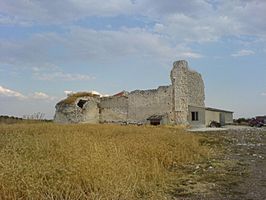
(239, 172)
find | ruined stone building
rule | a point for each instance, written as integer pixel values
(182, 102)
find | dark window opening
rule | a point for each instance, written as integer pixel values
(195, 116)
(81, 103)
(155, 122)
(100, 110)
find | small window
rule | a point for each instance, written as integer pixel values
(195, 116)
(81, 103)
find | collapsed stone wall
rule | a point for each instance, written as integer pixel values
(144, 103)
(113, 109)
(73, 113)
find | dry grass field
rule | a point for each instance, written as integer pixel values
(49, 161)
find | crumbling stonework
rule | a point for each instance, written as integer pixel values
(171, 102)
(113, 109)
(72, 113)
(144, 103)
(188, 89)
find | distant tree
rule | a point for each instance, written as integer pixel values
(242, 120)
(35, 116)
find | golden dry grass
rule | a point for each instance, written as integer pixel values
(49, 161)
(73, 97)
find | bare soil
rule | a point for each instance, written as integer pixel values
(238, 173)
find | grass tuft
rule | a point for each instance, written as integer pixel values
(71, 98)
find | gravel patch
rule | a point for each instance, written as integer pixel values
(227, 128)
(246, 179)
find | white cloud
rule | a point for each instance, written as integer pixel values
(47, 12)
(8, 93)
(177, 25)
(191, 55)
(88, 45)
(98, 93)
(5, 92)
(201, 20)
(247, 16)
(51, 72)
(194, 20)
(158, 27)
(46, 67)
(263, 94)
(68, 92)
(169, 7)
(41, 96)
(243, 52)
(95, 92)
(62, 76)
(12, 20)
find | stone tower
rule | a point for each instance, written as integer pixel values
(180, 91)
(188, 90)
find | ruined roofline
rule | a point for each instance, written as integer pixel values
(178, 63)
(72, 98)
(126, 93)
(150, 90)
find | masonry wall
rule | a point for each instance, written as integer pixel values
(144, 103)
(72, 113)
(196, 94)
(113, 109)
(65, 114)
(180, 92)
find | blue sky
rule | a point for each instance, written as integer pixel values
(49, 47)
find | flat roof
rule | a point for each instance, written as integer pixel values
(217, 110)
